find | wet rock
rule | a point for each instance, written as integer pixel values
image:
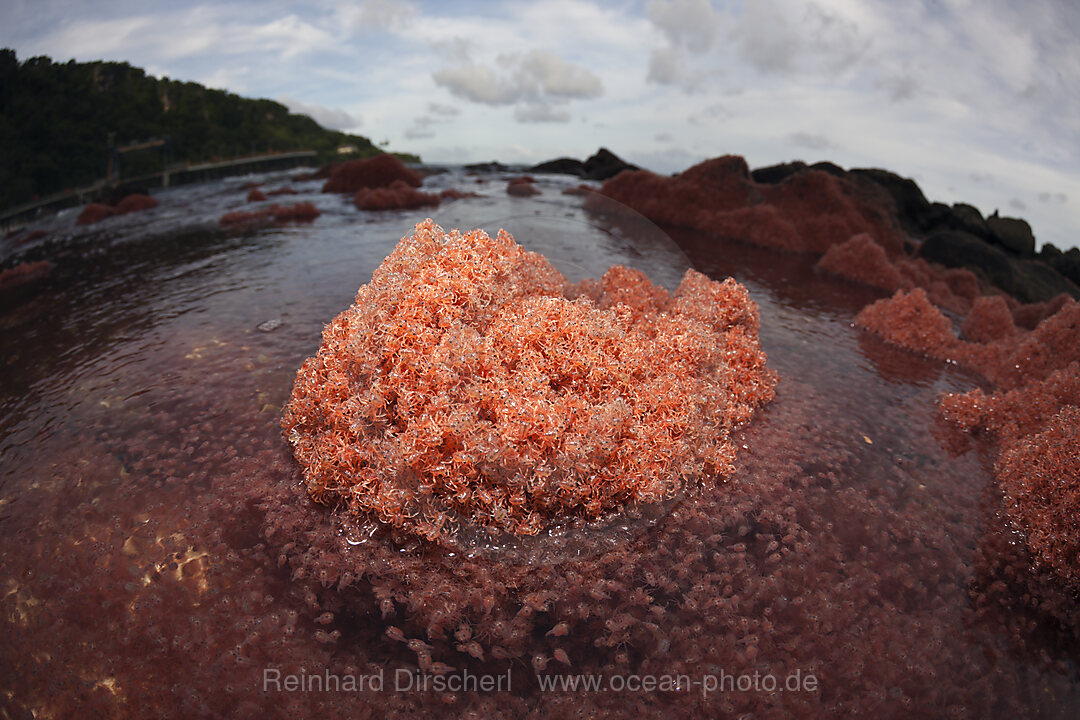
(561, 166)
(774, 174)
(965, 218)
(912, 208)
(602, 165)
(487, 167)
(270, 325)
(1038, 282)
(955, 248)
(1067, 263)
(605, 164)
(1013, 234)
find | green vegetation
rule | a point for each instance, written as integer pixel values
(56, 120)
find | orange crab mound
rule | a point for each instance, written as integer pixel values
(470, 382)
(1039, 477)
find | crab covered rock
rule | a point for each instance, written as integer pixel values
(470, 383)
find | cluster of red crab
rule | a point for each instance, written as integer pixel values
(470, 380)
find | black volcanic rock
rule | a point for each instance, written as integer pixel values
(601, 166)
(493, 166)
(1038, 282)
(828, 167)
(775, 174)
(913, 210)
(1026, 280)
(606, 164)
(1067, 263)
(561, 166)
(966, 218)
(1013, 234)
(956, 248)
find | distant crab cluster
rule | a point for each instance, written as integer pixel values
(469, 380)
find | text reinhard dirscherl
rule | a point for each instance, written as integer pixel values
(407, 680)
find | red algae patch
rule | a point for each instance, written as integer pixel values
(379, 171)
(398, 196)
(470, 382)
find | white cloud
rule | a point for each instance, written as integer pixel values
(688, 24)
(947, 90)
(710, 115)
(810, 141)
(540, 113)
(229, 79)
(535, 82)
(90, 39)
(445, 110)
(332, 118)
(689, 28)
(784, 37)
(288, 35)
(665, 66)
(477, 83)
(554, 76)
(377, 15)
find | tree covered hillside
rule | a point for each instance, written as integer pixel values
(56, 118)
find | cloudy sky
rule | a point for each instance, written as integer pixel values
(978, 100)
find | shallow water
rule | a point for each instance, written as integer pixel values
(147, 569)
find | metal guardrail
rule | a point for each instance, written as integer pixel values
(180, 174)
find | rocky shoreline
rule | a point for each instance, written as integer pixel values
(1001, 251)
